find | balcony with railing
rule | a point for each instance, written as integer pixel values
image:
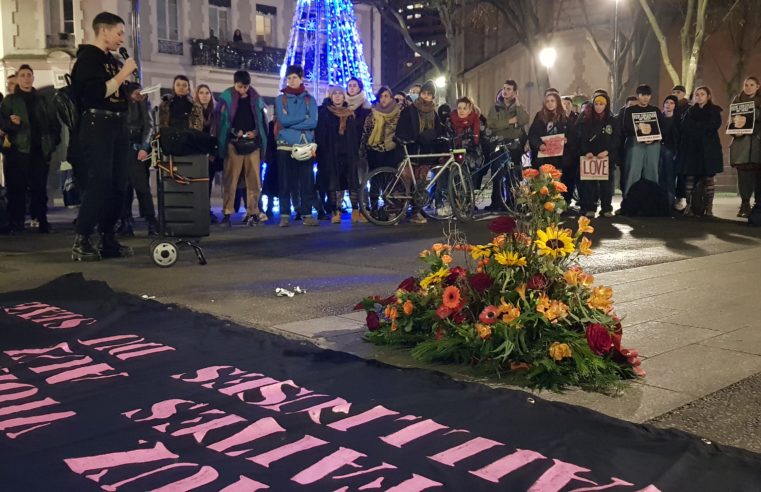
(236, 56)
(59, 40)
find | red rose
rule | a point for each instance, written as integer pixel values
(537, 282)
(481, 281)
(599, 339)
(408, 284)
(458, 317)
(373, 323)
(443, 312)
(454, 274)
(502, 225)
(389, 300)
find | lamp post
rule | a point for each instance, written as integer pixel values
(135, 27)
(615, 89)
(547, 58)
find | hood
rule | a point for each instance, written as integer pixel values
(89, 50)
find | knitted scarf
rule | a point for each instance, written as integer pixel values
(384, 122)
(427, 113)
(343, 113)
(297, 91)
(743, 97)
(358, 101)
(462, 124)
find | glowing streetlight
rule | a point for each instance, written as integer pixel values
(547, 57)
(440, 82)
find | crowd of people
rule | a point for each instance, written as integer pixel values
(347, 136)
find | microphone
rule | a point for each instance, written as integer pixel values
(125, 55)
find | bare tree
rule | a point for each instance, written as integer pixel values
(744, 37)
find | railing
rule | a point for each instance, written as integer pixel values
(60, 40)
(236, 56)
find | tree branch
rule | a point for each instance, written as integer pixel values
(661, 38)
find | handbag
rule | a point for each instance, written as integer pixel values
(245, 146)
(304, 151)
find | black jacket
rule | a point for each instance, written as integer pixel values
(408, 129)
(139, 124)
(628, 130)
(337, 155)
(597, 135)
(541, 129)
(700, 153)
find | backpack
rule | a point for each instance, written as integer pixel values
(646, 198)
(65, 105)
(278, 126)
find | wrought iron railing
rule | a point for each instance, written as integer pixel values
(236, 56)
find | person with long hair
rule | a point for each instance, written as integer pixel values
(669, 146)
(597, 135)
(745, 150)
(465, 124)
(378, 144)
(178, 110)
(700, 155)
(205, 98)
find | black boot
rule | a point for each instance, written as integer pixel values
(44, 227)
(111, 248)
(153, 226)
(83, 250)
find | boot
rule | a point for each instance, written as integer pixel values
(336, 219)
(111, 248)
(44, 227)
(153, 226)
(83, 250)
(745, 209)
(126, 227)
(226, 222)
(357, 216)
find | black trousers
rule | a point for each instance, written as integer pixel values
(295, 183)
(105, 154)
(26, 172)
(138, 177)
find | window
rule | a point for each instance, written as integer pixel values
(60, 23)
(265, 20)
(168, 20)
(218, 22)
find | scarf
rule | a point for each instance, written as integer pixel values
(343, 113)
(427, 112)
(383, 118)
(300, 90)
(358, 101)
(462, 124)
(743, 97)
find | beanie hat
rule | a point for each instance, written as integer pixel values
(429, 87)
(672, 98)
(601, 98)
(333, 89)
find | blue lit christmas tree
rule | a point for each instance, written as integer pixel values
(325, 41)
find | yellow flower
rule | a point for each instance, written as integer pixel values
(484, 331)
(408, 307)
(509, 312)
(510, 258)
(554, 242)
(521, 290)
(446, 259)
(571, 276)
(602, 299)
(424, 253)
(559, 351)
(499, 240)
(481, 251)
(586, 280)
(585, 246)
(543, 303)
(584, 227)
(434, 278)
(552, 310)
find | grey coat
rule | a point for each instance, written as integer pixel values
(745, 150)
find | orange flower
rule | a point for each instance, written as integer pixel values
(424, 253)
(489, 315)
(586, 280)
(484, 331)
(451, 297)
(439, 247)
(571, 276)
(499, 240)
(551, 170)
(509, 312)
(557, 311)
(544, 191)
(559, 351)
(394, 326)
(584, 227)
(585, 246)
(391, 312)
(530, 173)
(542, 304)
(521, 290)
(559, 186)
(446, 259)
(549, 206)
(408, 307)
(602, 299)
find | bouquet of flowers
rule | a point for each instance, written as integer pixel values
(520, 305)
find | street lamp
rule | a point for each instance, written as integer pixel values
(440, 82)
(615, 88)
(547, 58)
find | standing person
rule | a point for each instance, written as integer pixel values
(378, 143)
(642, 158)
(210, 112)
(178, 110)
(296, 112)
(102, 140)
(598, 136)
(669, 146)
(34, 132)
(237, 36)
(242, 138)
(507, 120)
(414, 92)
(682, 102)
(745, 150)
(138, 169)
(10, 84)
(700, 155)
(465, 123)
(570, 108)
(551, 120)
(337, 150)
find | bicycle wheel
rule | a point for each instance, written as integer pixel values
(437, 206)
(461, 193)
(384, 198)
(509, 184)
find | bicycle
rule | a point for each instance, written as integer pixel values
(387, 192)
(507, 172)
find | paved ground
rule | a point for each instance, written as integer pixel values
(687, 287)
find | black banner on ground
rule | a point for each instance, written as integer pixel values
(101, 390)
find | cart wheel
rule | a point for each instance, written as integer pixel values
(164, 254)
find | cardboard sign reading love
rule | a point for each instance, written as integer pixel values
(595, 168)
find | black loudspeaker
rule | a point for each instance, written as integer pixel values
(184, 207)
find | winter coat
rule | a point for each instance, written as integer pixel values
(670, 132)
(337, 155)
(500, 114)
(195, 118)
(226, 108)
(408, 129)
(745, 150)
(20, 136)
(297, 116)
(595, 135)
(627, 122)
(700, 152)
(466, 131)
(139, 124)
(541, 129)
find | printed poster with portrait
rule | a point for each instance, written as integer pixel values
(742, 118)
(646, 126)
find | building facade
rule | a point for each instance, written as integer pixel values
(175, 38)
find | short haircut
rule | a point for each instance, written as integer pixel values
(644, 90)
(180, 77)
(512, 84)
(382, 90)
(419, 86)
(12, 76)
(24, 67)
(105, 20)
(567, 98)
(679, 88)
(297, 70)
(631, 98)
(243, 77)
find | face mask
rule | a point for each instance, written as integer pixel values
(414, 97)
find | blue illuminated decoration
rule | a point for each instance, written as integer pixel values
(325, 41)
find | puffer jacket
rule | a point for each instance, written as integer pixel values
(296, 115)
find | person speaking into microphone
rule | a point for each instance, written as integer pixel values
(99, 88)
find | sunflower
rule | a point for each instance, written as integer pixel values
(489, 315)
(511, 259)
(559, 351)
(585, 246)
(554, 242)
(484, 331)
(481, 251)
(584, 227)
(451, 297)
(602, 299)
(434, 278)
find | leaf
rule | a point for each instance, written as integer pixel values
(504, 350)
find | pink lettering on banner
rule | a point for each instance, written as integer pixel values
(561, 474)
(245, 484)
(412, 432)
(25, 391)
(337, 405)
(162, 409)
(327, 465)
(382, 466)
(417, 483)
(125, 350)
(199, 431)
(508, 464)
(238, 388)
(374, 413)
(464, 450)
(204, 375)
(48, 316)
(29, 424)
(60, 351)
(21, 424)
(261, 428)
(304, 444)
(111, 460)
(76, 368)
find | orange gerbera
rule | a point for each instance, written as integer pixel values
(530, 173)
(408, 307)
(451, 297)
(489, 315)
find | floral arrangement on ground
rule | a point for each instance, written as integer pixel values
(520, 306)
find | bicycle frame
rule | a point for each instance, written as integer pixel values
(406, 164)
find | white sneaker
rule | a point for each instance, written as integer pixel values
(444, 211)
(681, 204)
